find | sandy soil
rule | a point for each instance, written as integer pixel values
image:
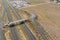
(48, 16)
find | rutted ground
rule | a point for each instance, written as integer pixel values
(48, 17)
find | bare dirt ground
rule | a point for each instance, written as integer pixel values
(48, 16)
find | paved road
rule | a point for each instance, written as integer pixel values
(27, 31)
(40, 29)
(2, 37)
(36, 25)
(13, 30)
(2, 18)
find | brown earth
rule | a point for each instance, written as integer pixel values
(48, 16)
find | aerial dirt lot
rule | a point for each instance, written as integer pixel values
(49, 18)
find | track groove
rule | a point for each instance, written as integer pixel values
(27, 31)
(13, 30)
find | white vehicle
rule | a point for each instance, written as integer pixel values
(19, 4)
